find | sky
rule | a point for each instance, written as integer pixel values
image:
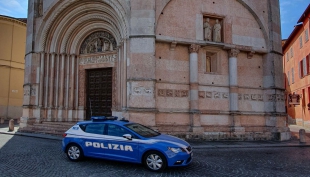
(290, 10)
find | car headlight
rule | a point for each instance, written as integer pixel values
(175, 150)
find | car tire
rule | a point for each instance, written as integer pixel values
(74, 152)
(154, 161)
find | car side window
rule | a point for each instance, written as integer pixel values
(95, 128)
(115, 130)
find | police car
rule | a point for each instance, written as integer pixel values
(121, 140)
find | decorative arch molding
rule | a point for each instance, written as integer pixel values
(65, 28)
(74, 42)
(61, 11)
(86, 21)
(69, 44)
(258, 20)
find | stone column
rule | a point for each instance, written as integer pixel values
(56, 102)
(124, 75)
(60, 95)
(70, 81)
(236, 128)
(42, 55)
(62, 78)
(233, 80)
(72, 78)
(193, 81)
(193, 76)
(67, 82)
(51, 86)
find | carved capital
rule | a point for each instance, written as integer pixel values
(250, 54)
(40, 8)
(173, 45)
(233, 53)
(194, 48)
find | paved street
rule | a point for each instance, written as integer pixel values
(27, 156)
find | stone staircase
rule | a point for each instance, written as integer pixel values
(52, 128)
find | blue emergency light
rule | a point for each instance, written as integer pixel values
(103, 118)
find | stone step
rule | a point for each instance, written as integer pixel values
(60, 123)
(54, 125)
(46, 127)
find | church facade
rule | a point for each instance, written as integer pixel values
(194, 68)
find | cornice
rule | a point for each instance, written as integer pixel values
(11, 19)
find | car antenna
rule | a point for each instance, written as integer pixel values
(91, 112)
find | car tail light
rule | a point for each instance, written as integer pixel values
(64, 135)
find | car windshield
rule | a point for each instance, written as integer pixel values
(142, 130)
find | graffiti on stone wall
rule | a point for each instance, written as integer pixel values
(142, 90)
(213, 95)
(28, 91)
(245, 97)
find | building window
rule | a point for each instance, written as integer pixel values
(300, 41)
(208, 64)
(306, 35)
(291, 52)
(293, 80)
(308, 94)
(303, 70)
(308, 64)
(300, 69)
(211, 62)
(287, 56)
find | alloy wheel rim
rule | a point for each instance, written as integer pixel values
(74, 152)
(154, 161)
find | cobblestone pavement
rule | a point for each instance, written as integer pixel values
(26, 156)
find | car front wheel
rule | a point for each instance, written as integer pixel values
(154, 161)
(74, 152)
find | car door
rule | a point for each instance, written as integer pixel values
(94, 140)
(120, 148)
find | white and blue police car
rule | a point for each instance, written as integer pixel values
(121, 140)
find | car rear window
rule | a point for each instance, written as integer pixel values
(82, 126)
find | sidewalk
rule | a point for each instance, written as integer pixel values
(294, 142)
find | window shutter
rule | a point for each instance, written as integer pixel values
(287, 56)
(293, 79)
(299, 70)
(288, 78)
(307, 61)
(304, 62)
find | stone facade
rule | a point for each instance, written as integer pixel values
(193, 68)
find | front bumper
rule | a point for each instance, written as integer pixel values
(180, 159)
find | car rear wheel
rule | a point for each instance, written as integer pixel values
(74, 152)
(154, 161)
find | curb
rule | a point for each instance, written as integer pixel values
(50, 137)
(42, 136)
(249, 146)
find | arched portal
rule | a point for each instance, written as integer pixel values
(80, 45)
(97, 63)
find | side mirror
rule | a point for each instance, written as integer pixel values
(127, 136)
